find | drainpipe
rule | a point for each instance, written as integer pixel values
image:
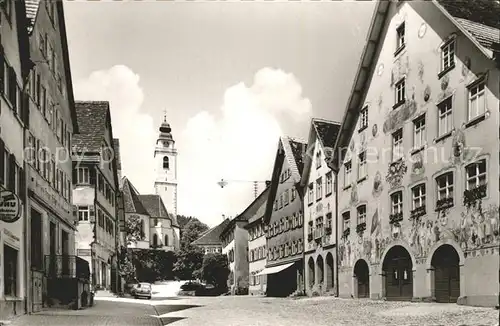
(336, 233)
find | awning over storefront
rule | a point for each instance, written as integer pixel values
(275, 269)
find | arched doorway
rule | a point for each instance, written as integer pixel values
(362, 274)
(330, 280)
(311, 272)
(398, 270)
(445, 262)
(321, 269)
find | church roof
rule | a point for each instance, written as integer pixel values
(132, 203)
(155, 207)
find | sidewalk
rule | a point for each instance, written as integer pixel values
(109, 313)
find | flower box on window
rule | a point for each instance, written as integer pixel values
(328, 230)
(310, 237)
(395, 218)
(360, 227)
(473, 195)
(418, 212)
(444, 203)
(346, 233)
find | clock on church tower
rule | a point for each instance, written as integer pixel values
(166, 167)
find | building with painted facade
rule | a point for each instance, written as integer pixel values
(15, 67)
(320, 230)
(95, 181)
(159, 229)
(257, 252)
(234, 239)
(284, 219)
(53, 261)
(210, 240)
(418, 179)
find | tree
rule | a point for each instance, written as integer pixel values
(215, 270)
(133, 229)
(192, 231)
(483, 11)
(183, 220)
(189, 259)
(127, 267)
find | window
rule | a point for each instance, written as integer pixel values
(294, 194)
(83, 176)
(318, 159)
(281, 201)
(448, 56)
(155, 240)
(10, 271)
(347, 174)
(286, 198)
(476, 174)
(328, 178)
(42, 44)
(418, 196)
(363, 119)
(319, 188)
(397, 202)
(400, 92)
(346, 219)
(362, 172)
(419, 134)
(361, 214)
(400, 37)
(310, 195)
(166, 240)
(477, 104)
(276, 205)
(397, 145)
(445, 124)
(445, 186)
(166, 164)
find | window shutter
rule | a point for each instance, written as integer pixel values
(12, 176)
(92, 176)
(12, 87)
(25, 109)
(75, 212)
(22, 184)
(2, 162)
(92, 214)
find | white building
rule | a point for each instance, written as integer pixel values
(319, 208)
(166, 169)
(159, 228)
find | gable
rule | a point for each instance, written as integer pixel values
(381, 33)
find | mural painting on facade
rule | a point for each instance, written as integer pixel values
(466, 66)
(445, 81)
(399, 116)
(397, 170)
(460, 153)
(380, 69)
(421, 30)
(354, 194)
(427, 93)
(377, 185)
(380, 101)
(362, 141)
(421, 71)
(374, 130)
(417, 167)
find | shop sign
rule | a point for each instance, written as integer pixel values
(10, 206)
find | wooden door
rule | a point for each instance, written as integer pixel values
(399, 279)
(447, 283)
(36, 291)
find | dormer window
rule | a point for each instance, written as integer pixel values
(166, 163)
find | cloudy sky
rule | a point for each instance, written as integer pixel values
(233, 77)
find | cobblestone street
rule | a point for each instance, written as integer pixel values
(261, 311)
(326, 311)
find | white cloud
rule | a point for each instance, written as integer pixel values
(239, 147)
(120, 86)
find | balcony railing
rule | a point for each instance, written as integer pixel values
(66, 266)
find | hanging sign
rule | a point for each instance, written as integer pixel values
(10, 206)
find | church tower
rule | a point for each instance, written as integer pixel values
(166, 167)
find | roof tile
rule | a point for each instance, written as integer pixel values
(132, 203)
(91, 117)
(211, 237)
(327, 131)
(485, 35)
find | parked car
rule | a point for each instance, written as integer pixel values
(141, 290)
